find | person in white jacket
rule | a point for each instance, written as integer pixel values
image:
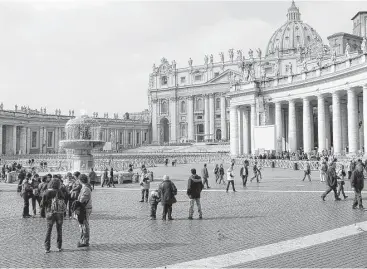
(230, 178)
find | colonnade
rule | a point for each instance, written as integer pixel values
(340, 123)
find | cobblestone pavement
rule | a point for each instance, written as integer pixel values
(122, 235)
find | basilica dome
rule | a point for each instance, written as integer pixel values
(293, 35)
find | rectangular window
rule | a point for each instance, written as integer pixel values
(216, 74)
(197, 77)
(145, 136)
(217, 116)
(129, 138)
(34, 140)
(200, 117)
(164, 80)
(50, 139)
(183, 79)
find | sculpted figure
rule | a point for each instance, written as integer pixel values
(211, 58)
(347, 51)
(206, 59)
(190, 62)
(16, 107)
(231, 55)
(173, 64)
(239, 55)
(304, 65)
(1, 106)
(363, 45)
(258, 53)
(290, 68)
(221, 55)
(69, 112)
(251, 54)
(72, 113)
(154, 68)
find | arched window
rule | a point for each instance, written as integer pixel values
(183, 107)
(199, 104)
(217, 104)
(164, 107)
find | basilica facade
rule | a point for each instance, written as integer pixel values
(300, 93)
(26, 131)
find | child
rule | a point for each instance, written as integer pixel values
(341, 174)
(154, 199)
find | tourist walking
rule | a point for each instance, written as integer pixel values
(341, 174)
(36, 196)
(53, 202)
(105, 177)
(230, 177)
(85, 199)
(256, 173)
(194, 188)
(244, 172)
(154, 200)
(323, 171)
(331, 182)
(205, 176)
(92, 178)
(111, 179)
(352, 165)
(307, 172)
(145, 185)
(357, 183)
(221, 174)
(26, 193)
(216, 173)
(167, 192)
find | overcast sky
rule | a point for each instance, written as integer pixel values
(97, 56)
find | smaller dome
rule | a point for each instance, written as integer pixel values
(82, 128)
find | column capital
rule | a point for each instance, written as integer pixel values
(173, 99)
(306, 98)
(320, 96)
(190, 97)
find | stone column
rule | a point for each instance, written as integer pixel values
(364, 124)
(173, 117)
(212, 116)
(223, 122)
(1, 140)
(28, 140)
(344, 116)
(292, 130)
(312, 130)
(246, 131)
(234, 131)
(253, 124)
(23, 140)
(299, 126)
(337, 124)
(14, 139)
(352, 121)
(278, 126)
(45, 139)
(240, 130)
(306, 125)
(155, 133)
(327, 126)
(360, 119)
(321, 123)
(206, 117)
(190, 119)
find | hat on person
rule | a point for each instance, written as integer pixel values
(165, 177)
(83, 178)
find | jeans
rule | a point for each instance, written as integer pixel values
(244, 180)
(191, 209)
(256, 175)
(341, 189)
(153, 210)
(205, 180)
(221, 178)
(111, 183)
(167, 209)
(216, 177)
(34, 200)
(51, 220)
(26, 204)
(146, 192)
(104, 181)
(329, 189)
(231, 182)
(70, 202)
(84, 229)
(322, 176)
(306, 174)
(357, 199)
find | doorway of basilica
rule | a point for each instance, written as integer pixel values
(200, 132)
(218, 135)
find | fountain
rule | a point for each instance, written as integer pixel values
(82, 136)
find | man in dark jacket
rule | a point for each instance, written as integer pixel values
(167, 191)
(357, 182)
(244, 172)
(331, 181)
(54, 212)
(205, 175)
(194, 188)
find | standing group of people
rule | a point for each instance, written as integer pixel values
(55, 196)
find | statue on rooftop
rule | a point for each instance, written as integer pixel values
(258, 53)
(221, 55)
(231, 54)
(72, 113)
(1, 106)
(16, 107)
(190, 62)
(211, 58)
(206, 59)
(347, 51)
(250, 54)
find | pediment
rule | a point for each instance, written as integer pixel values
(225, 76)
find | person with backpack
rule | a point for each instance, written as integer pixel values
(26, 193)
(53, 202)
(244, 172)
(85, 200)
(323, 171)
(341, 174)
(331, 182)
(357, 183)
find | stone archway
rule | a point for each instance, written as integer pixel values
(218, 134)
(164, 135)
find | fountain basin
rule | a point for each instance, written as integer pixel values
(82, 144)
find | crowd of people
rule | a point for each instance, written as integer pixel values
(58, 198)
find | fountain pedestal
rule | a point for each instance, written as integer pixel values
(82, 160)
